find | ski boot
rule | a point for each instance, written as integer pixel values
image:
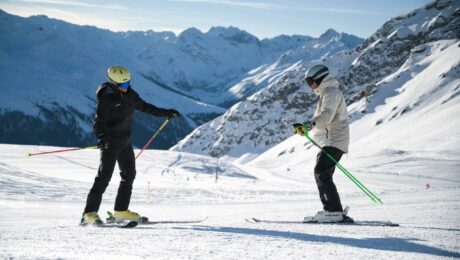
(346, 218)
(90, 218)
(120, 216)
(330, 217)
(326, 217)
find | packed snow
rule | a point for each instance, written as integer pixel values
(42, 198)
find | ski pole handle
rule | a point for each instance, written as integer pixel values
(61, 151)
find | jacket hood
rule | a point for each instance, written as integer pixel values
(328, 81)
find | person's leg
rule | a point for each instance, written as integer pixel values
(104, 174)
(126, 162)
(324, 170)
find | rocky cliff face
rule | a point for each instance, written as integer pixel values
(262, 120)
(385, 51)
(258, 122)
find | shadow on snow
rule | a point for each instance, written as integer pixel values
(384, 243)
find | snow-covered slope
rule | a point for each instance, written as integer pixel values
(265, 119)
(50, 70)
(410, 119)
(42, 199)
(259, 122)
(384, 52)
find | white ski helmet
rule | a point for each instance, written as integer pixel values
(316, 73)
(118, 74)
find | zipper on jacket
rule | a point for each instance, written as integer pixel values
(327, 134)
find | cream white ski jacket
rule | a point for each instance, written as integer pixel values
(331, 119)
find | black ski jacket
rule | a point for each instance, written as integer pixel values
(114, 113)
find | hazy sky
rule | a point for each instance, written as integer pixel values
(261, 18)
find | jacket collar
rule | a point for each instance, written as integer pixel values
(328, 81)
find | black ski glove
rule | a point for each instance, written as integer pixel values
(173, 113)
(102, 143)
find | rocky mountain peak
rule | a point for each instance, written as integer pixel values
(233, 34)
(328, 35)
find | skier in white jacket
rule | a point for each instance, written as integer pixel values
(330, 129)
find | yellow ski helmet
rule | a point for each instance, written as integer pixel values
(118, 74)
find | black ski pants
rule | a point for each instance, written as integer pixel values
(125, 157)
(324, 170)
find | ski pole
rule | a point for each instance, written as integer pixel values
(153, 136)
(371, 195)
(361, 186)
(61, 151)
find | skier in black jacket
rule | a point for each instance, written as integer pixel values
(112, 126)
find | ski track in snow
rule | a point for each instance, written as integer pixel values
(42, 199)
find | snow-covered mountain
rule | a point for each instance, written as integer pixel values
(50, 70)
(329, 43)
(264, 119)
(207, 65)
(411, 117)
(384, 52)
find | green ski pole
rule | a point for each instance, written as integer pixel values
(361, 186)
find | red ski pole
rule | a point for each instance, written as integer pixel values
(153, 136)
(61, 151)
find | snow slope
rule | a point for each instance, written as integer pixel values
(413, 123)
(42, 199)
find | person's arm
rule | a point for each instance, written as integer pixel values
(329, 106)
(143, 106)
(102, 112)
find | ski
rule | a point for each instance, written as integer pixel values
(356, 223)
(154, 222)
(146, 221)
(130, 224)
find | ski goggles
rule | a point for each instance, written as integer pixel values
(309, 80)
(124, 85)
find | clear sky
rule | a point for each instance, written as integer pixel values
(261, 18)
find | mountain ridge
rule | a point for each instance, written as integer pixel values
(55, 68)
